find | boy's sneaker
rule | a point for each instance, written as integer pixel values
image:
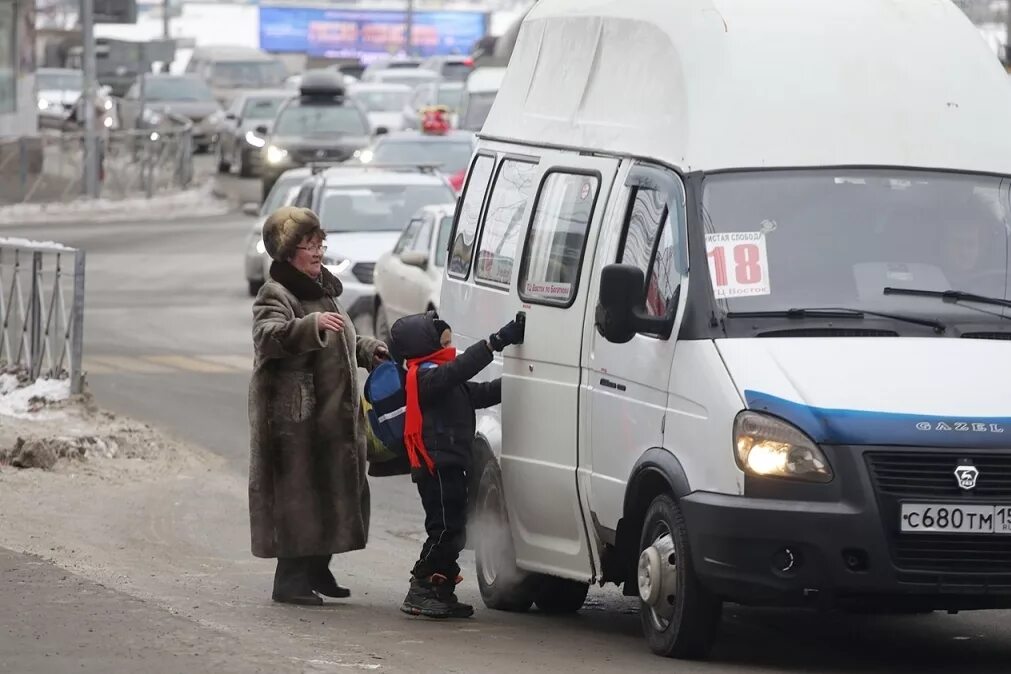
(434, 597)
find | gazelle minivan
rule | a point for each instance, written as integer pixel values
(762, 249)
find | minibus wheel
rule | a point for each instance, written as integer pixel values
(679, 616)
(503, 586)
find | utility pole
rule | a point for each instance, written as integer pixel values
(165, 19)
(90, 139)
(409, 29)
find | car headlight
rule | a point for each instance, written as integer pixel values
(276, 155)
(108, 104)
(255, 140)
(366, 156)
(43, 104)
(151, 117)
(260, 247)
(107, 122)
(769, 447)
(215, 118)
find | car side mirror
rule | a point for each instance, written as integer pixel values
(382, 131)
(262, 130)
(621, 309)
(251, 208)
(414, 258)
(231, 116)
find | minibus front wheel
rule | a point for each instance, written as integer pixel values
(679, 616)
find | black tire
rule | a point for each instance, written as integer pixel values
(558, 595)
(380, 324)
(243, 165)
(254, 287)
(224, 166)
(503, 586)
(690, 630)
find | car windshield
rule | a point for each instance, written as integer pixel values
(456, 70)
(382, 100)
(247, 74)
(262, 108)
(478, 107)
(450, 95)
(450, 154)
(321, 120)
(442, 244)
(780, 240)
(411, 78)
(377, 208)
(70, 80)
(282, 194)
(183, 89)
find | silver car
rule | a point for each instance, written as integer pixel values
(179, 95)
(239, 145)
(257, 262)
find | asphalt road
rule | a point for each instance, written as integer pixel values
(168, 341)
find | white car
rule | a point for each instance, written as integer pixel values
(257, 262)
(408, 279)
(383, 103)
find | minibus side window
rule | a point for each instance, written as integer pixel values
(651, 244)
(554, 251)
(504, 224)
(469, 215)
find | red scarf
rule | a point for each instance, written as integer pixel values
(413, 421)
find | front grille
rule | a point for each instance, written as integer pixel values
(308, 156)
(953, 553)
(932, 475)
(364, 272)
(987, 335)
(828, 332)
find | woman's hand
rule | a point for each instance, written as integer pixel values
(330, 321)
(381, 354)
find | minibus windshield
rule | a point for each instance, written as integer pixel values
(778, 241)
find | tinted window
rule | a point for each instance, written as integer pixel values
(382, 101)
(442, 243)
(423, 241)
(504, 221)
(68, 80)
(456, 71)
(261, 108)
(282, 194)
(247, 74)
(183, 89)
(478, 106)
(557, 234)
(299, 120)
(377, 208)
(664, 276)
(451, 155)
(407, 237)
(470, 213)
(647, 219)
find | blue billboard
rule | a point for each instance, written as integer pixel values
(342, 33)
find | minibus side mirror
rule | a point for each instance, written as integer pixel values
(621, 310)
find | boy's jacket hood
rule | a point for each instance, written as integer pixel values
(416, 336)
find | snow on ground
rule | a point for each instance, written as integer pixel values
(28, 402)
(25, 243)
(195, 202)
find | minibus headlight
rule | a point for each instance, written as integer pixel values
(769, 447)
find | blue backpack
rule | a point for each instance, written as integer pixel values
(384, 392)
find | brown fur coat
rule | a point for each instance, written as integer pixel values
(308, 493)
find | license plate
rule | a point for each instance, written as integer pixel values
(943, 518)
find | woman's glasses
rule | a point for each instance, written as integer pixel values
(319, 248)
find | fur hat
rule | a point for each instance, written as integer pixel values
(286, 228)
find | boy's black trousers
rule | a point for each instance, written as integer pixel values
(444, 497)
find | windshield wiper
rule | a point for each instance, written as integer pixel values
(832, 312)
(953, 296)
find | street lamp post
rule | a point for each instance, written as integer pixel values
(90, 139)
(409, 29)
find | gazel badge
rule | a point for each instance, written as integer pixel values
(967, 474)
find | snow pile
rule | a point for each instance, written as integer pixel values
(38, 245)
(196, 202)
(25, 401)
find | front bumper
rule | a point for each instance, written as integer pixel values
(839, 544)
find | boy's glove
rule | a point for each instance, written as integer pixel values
(511, 333)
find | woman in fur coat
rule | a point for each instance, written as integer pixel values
(308, 494)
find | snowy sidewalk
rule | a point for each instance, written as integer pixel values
(197, 202)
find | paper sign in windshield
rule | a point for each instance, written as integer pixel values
(738, 264)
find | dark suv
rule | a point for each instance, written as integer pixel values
(322, 124)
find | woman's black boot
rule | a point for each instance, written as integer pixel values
(322, 579)
(291, 582)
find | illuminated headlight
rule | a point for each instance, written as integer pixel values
(366, 156)
(43, 104)
(215, 118)
(276, 155)
(255, 140)
(108, 104)
(260, 248)
(336, 265)
(769, 447)
(107, 122)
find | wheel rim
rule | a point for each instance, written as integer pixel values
(491, 546)
(657, 575)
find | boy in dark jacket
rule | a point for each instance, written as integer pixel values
(439, 432)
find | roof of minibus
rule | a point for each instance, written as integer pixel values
(720, 84)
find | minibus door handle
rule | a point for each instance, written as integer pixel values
(607, 383)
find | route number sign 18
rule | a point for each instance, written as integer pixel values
(738, 264)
